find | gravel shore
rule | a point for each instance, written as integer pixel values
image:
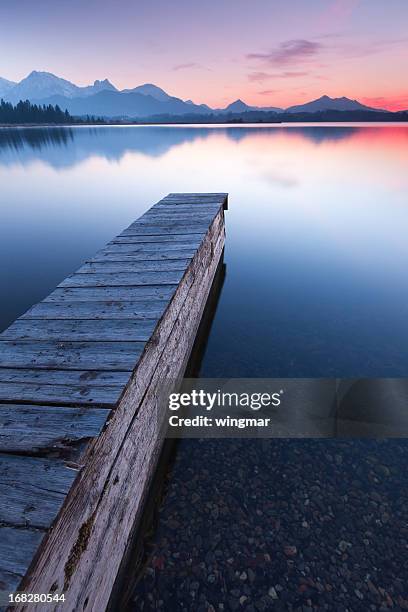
(296, 525)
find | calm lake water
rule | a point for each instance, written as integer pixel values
(317, 249)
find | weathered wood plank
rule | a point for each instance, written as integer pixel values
(178, 227)
(96, 310)
(156, 256)
(169, 209)
(123, 279)
(29, 429)
(65, 377)
(168, 238)
(70, 395)
(100, 294)
(89, 331)
(33, 488)
(17, 547)
(130, 246)
(108, 267)
(133, 237)
(71, 355)
(195, 196)
(162, 215)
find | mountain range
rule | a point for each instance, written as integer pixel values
(104, 100)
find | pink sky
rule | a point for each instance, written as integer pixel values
(266, 52)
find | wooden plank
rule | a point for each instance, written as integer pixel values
(65, 377)
(79, 388)
(162, 215)
(189, 227)
(130, 246)
(17, 547)
(123, 279)
(194, 202)
(96, 310)
(196, 197)
(29, 429)
(71, 355)
(168, 238)
(100, 294)
(132, 236)
(132, 255)
(169, 208)
(108, 267)
(66, 331)
(70, 395)
(33, 488)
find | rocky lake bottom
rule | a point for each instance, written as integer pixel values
(296, 525)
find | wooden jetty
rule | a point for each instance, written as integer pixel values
(80, 377)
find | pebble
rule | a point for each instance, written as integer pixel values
(324, 520)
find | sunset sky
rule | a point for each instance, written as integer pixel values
(266, 52)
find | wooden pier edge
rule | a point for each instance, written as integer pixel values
(81, 551)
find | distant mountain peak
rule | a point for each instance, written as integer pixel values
(6, 86)
(103, 84)
(149, 89)
(325, 103)
(237, 106)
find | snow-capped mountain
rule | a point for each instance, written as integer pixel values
(5, 86)
(41, 85)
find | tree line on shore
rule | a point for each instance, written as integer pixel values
(24, 112)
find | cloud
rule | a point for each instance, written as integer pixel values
(259, 77)
(268, 92)
(342, 9)
(393, 103)
(289, 52)
(292, 75)
(342, 48)
(188, 66)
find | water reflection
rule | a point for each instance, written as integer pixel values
(27, 144)
(316, 232)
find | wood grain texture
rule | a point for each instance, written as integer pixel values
(80, 378)
(30, 429)
(17, 547)
(35, 489)
(131, 246)
(95, 310)
(120, 267)
(70, 395)
(118, 294)
(57, 355)
(77, 330)
(124, 279)
(115, 254)
(168, 238)
(168, 349)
